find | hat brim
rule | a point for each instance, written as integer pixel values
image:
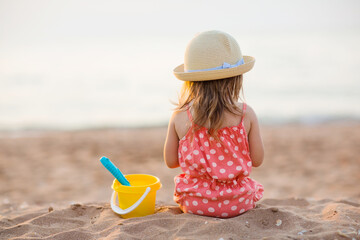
(214, 74)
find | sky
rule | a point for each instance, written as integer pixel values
(58, 54)
(61, 21)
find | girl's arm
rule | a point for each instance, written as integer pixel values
(171, 145)
(255, 141)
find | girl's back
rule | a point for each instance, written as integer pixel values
(183, 123)
(215, 181)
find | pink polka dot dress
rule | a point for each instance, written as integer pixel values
(216, 178)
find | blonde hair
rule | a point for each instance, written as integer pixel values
(209, 100)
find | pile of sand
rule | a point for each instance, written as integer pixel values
(272, 219)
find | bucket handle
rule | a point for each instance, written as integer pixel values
(118, 210)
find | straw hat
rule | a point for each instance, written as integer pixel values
(213, 55)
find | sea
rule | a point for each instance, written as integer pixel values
(76, 66)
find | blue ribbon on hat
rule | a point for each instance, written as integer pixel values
(224, 66)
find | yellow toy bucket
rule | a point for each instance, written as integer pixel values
(137, 200)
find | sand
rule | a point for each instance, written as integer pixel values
(52, 186)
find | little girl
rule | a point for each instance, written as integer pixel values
(211, 136)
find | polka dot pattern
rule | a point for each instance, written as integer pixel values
(215, 181)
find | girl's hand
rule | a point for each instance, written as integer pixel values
(171, 145)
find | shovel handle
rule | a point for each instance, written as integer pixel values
(114, 171)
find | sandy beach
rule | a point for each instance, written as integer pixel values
(52, 186)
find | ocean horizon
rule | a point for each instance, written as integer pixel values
(68, 73)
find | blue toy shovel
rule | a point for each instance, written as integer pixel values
(114, 171)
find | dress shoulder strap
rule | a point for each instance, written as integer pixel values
(243, 112)
(189, 114)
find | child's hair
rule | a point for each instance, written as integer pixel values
(209, 100)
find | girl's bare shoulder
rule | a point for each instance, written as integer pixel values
(249, 116)
(181, 122)
(250, 112)
(179, 116)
